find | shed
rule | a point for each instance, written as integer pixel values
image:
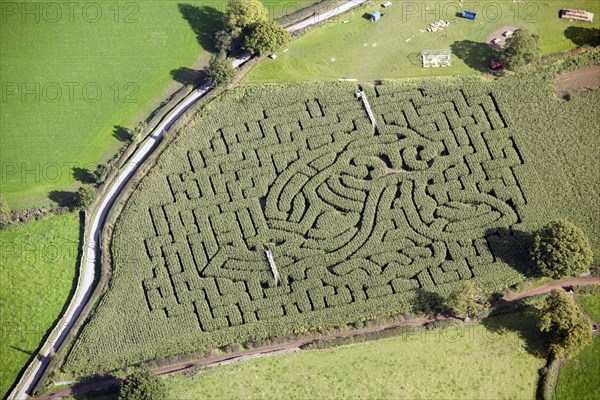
(469, 14)
(375, 16)
(386, 4)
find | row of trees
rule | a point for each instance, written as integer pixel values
(247, 28)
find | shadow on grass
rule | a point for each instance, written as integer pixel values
(83, 175)
(205, 22)
(188, 76)
(512, 247)
(121, 133)
(583, 36)
(63, 198)
(524, 324)
(475, 54)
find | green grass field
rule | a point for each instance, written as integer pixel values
(460, 363)
(188, 248)
(579, 378)
(38, 267)
(69, 77)
(127, 55)
(391, 47)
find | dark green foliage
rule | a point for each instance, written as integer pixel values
(266, 37)
(561, 249)
(143, 384)
(467, 301)
(5, 215)
(567, 327)
(242, 14)
(136, 133)
(221, 72)
(85, 196)
(225, 40)
(100, 173)
(520, 49)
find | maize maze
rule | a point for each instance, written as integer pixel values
(348, 214)
(356, 217)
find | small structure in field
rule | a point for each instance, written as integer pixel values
(576, 15)
(436, 58)
(507, 34)
(375, 16)
(438, 25)
(469, 14)
(386, 4)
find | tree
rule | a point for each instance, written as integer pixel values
(521, 49)
(561, 249)
(221, 72)
(567, 327)
(85, 197)
(143, 384)
(5, 215)
(266, 37)
(242, 14)
(225, 40)
(137, 132)
(100, 173)
(467, 301)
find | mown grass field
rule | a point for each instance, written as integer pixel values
(38, 267)
(580, 377)
(297, 169)
(391, 47)
(124, 58)
(72, 72)
(461, 363)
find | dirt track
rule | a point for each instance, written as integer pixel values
(579, 79)
(101, 384)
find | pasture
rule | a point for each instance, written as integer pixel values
(358, 220)
(73, 73)
(475, 362)
(391, 47)
(39, 262)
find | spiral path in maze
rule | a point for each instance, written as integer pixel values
(349, 213)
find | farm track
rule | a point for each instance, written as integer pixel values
(105, 383)
(91, 244)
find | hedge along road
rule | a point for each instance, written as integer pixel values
(93, 233)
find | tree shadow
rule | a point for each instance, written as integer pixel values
(63, 198)
(513, 247)
(205, 22)
(524, 324)
(188, 76)
(83, 175)
(583, 36)
(121, 133)
(429, 302)
(475, 54)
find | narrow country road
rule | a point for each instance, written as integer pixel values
(91, 244)
(104, 383)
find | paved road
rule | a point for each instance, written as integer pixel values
(104, 383)
(91, 245)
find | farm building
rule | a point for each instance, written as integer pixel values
(375, 16)
(436, 58)
(576, 15)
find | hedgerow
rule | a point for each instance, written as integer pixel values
(359, 221)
